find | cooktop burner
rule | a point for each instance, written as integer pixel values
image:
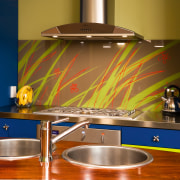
(88, 112)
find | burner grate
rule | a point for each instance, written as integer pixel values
(87, 112)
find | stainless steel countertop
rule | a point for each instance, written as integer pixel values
(145, 119)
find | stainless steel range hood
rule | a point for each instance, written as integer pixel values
(93, 25)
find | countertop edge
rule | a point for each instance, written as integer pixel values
(145, 119)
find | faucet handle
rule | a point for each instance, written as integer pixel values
(70, 130)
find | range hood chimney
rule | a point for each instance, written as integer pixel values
(93, 11)
(93, 25)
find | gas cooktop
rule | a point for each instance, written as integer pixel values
(89, 112)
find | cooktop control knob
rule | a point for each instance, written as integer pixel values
(131, 112)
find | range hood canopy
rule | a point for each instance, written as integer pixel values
(93, 26)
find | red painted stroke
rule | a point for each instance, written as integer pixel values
(163, 57)
(29, 63)
(106, 75)
(57, 72)
(38, 69)
(138, 79)
(49, 56)
(122, 73)
(42, 96)
(76, 75)
(74, 88)
(160, 104)
(69, 66)
(132, 79)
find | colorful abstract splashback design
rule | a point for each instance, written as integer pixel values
(70, 73)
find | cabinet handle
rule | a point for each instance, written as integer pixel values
(102, 138)
(156, 138)
(83, 135)
(6, 127)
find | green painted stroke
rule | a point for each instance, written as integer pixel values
(54, 91)
(104, 90)
(154, 107)
(80, 97)
(92, 86)
(133, 102)
(118, 90)
(20, 48)
(51, 76)
(117, 85)
(27, 76)
(39, 89)
(131, 85)
(128, 70)
(110, 89)
(22, 64)
(56, 88)
(143, 94)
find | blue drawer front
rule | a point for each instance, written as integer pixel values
(18, 128)
(145, 136)
(3, 132)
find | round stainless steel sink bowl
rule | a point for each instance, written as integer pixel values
(19, 148)
(102, 156)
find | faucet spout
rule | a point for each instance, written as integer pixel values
(47, 141)
(70, 130)
(60, 120)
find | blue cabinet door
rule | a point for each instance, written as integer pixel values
(18, 128)
(4, 128)
(151, 137)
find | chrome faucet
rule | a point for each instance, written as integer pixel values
(47, 141)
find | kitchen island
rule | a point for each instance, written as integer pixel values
(166, 165)
(152, 129)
